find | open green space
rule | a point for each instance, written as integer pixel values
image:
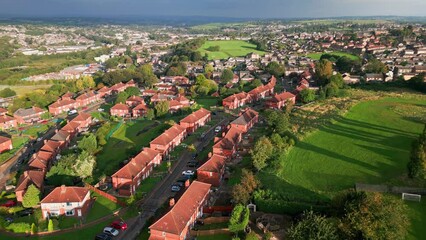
(101, 208)
(317, 56)
(215, 237)
(127, 141)
(207, 102)
(417, 216)
(370, 144)
(24, 89)
(231, 48)
(17, 143)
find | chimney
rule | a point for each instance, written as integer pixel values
(56, 130)
(171, 202)
(210, 154)
(187, 183)
(45, 141)
(63, 189)
(216, 139)
(223, 134)
(34, 155)
(26, 174)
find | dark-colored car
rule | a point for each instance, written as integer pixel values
(25, 212)
(103, 236)
(192, 164)
(118, 224)
(9, 204)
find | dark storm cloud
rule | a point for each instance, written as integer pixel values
(221, 8)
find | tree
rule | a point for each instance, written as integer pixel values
(275, 69)
(132, 91)
(170, 122)
(313, 226)
(261, 152)
(204, 86)
(102, 132)
(89, 144)
(121, 97)
(150, 114)
(50, 226)
(240, 194)
(226, 76)
(162, 108)
(307, 95)
(239, 219)
(7, 92)
(256, 83)
(375, 66)
(88, 82)
(33, 228)
(371, 216)
(417, 164)
(208, 68)
(344, 64)
(337, 80)
(31, 197)
(172, 71)
(331, 90)
(323, 71)
(84, 165)
(251, 236)
(148, 76)
(249, 181)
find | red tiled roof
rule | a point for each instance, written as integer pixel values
(195, 116)
(141, 106)
(29, 177)
(246, 117)
(282, 97)
(136, 164)
(81, 117)
(135, 99)
(86, 95)
(65, 194)
(5, 118)
(4, 139)
(213, 164)
(2, 110)
(177, 218)
(120, 106)
(50, 146)
(230, 139)
(238, 96)
(168, 135)
(61, 103)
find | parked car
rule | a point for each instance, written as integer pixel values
(217, 129)
(192, 164)
(180, 184)
(9, 204)
(25, 212)
(100, 109)
(103, 236)
(111, 231)
(72, 112)
(118, 224)
(188, 172)
(8, 219)
(175, 188)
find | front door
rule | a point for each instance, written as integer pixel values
(79, 212)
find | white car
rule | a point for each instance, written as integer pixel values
(100, 109)
(188, 173)
(111, 231)
(217, 129)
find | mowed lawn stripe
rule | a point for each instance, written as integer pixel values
(370, 144)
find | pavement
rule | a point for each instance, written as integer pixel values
(162, 193)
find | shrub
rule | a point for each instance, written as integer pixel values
(50, 225)
(251, 236)
(19, 227)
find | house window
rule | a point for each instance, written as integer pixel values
(69, 204)
(54, 213)
(69, 212)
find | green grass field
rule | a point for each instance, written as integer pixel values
(417, 216)
(232, 48)
(317, 56)
(23, 89)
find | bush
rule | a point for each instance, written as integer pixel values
(50, 226)
(287, 207)
(19, 227)
(251, 236)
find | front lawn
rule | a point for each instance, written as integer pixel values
(231, 48)
(417, 216)
(207, 102)
(17, 143)
(101, 208)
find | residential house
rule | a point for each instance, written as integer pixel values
(27, 178)
(7, 122)
(174, 106)
(168, 140)
(140, 110)
(29, 115)
(213, 170)
(176, 223)
(5, 144)
(228, 144)
(3, 111)
(63, 105)
(83, 120)
(53, 147)
(62, 137)
(42, 161)
(134, 101)
(236, 100)
(195, 120)
(87, 98)
(129, 177)
(104, 91)
(374, 77)
(280, 100)
(263, 91)
(66, 201)
(120, 110)
(246, 120)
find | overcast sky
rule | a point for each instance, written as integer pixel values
(216, 8)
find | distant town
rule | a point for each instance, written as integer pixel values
(296, 129)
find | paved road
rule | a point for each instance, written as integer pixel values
(162, 192)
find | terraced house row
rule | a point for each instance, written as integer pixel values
(41, 161)
(178, 221)
(126, 180)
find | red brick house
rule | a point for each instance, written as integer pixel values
(280, 100)
(140, 110)
(183, 100)
(41, 161)
(62, 137)
(53, 147)
(3, 111)
(7, 122)
(5, 144)
(120, 110)
(176, 223)
(263, 91)
(168, 140)
(174, 106)
(63, 105)
(66, 201)
(212, 171)
(71, 128)
(67, 96)
(87, 98)
(129, 177)
(134, 101)
(29, 115)
(236, 100)
(246, 120)
(227, 146)
(195, 120)
(83, 120)
(27, 178)
(118, 87)
(104, 91)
